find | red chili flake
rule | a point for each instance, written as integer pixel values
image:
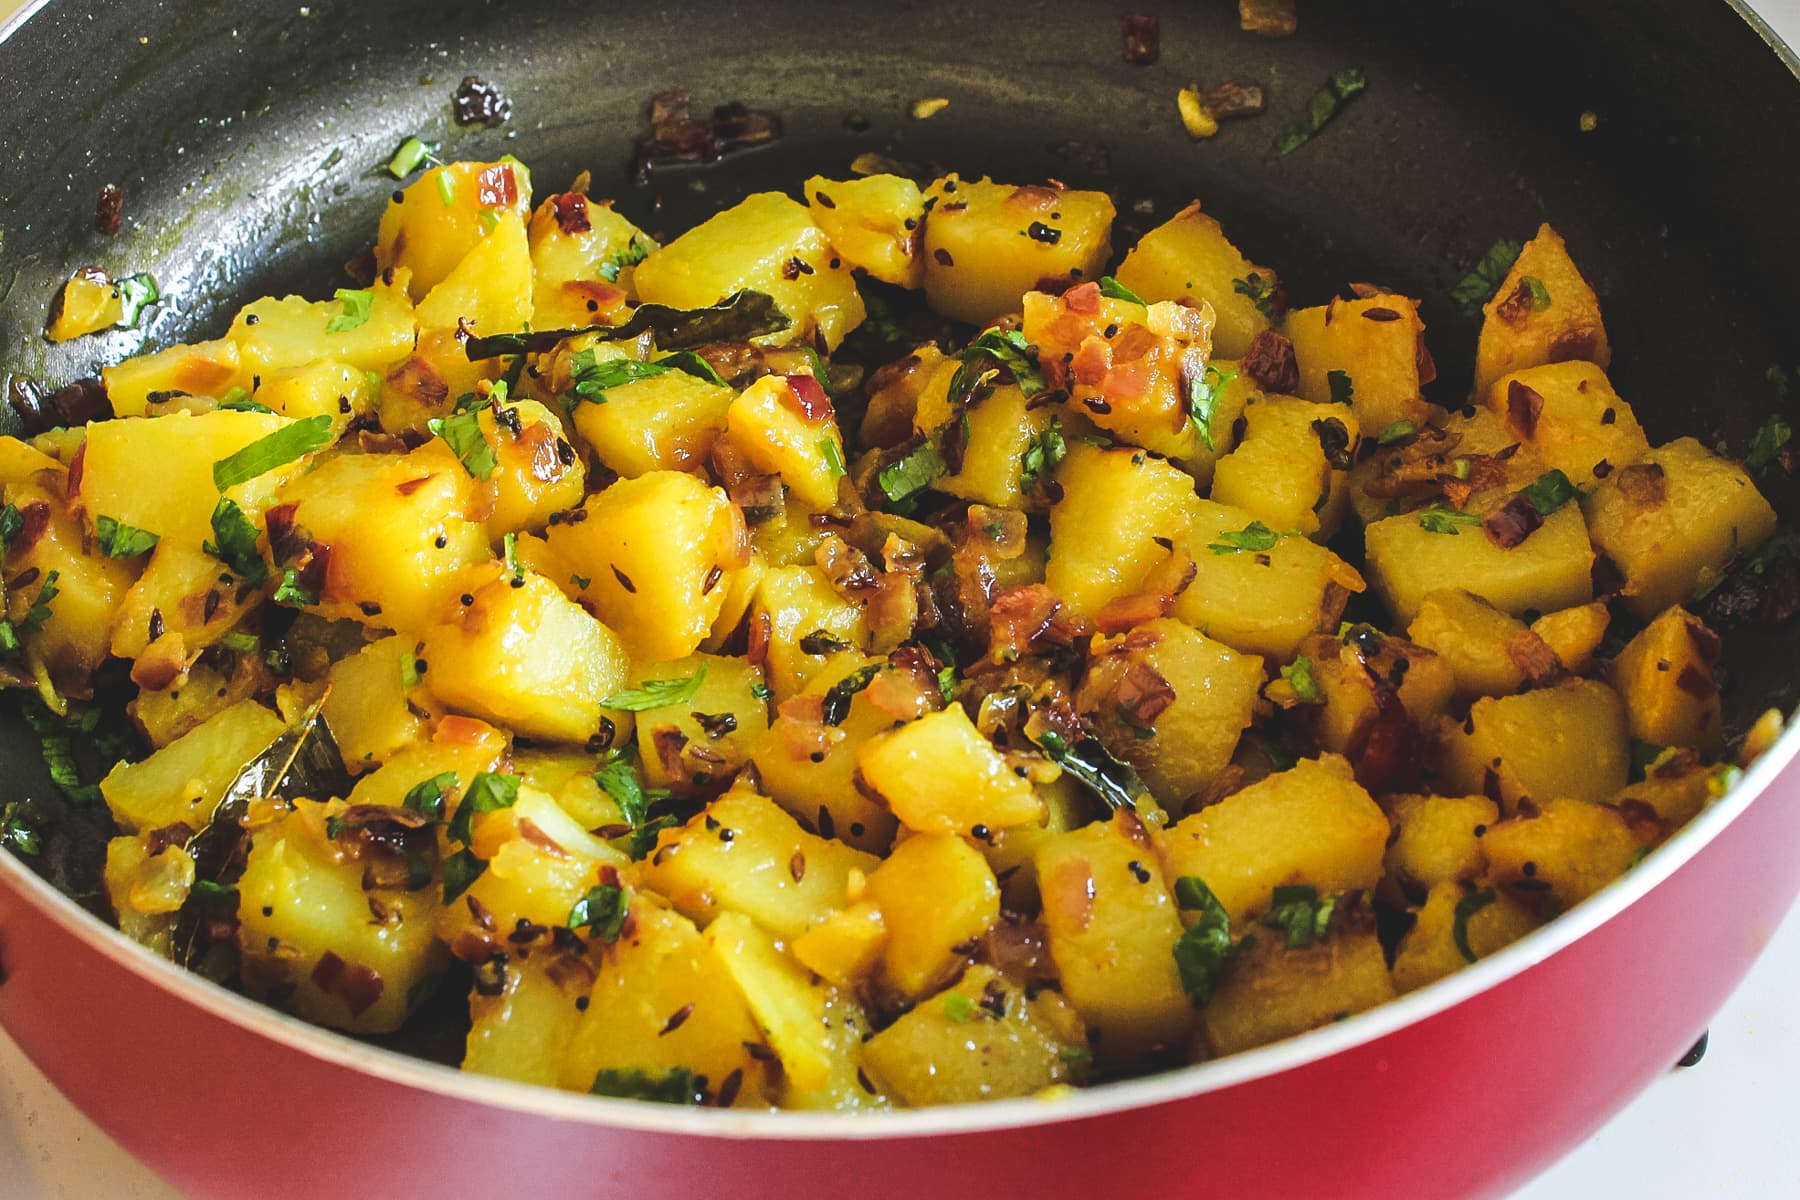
(34, 520)
(1517, 306)
(810, 398)
(1084, 299)
(1523, 406)
(1696, 683)
(1574, 345)
(109, 208)
(571, 211)
(1143, 38)
(495, 186)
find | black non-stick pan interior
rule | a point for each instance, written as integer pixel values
(249, 141)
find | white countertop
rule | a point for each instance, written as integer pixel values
(1723, 1128)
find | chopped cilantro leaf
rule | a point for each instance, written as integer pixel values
(286, 444)
(1112, 289)
(1043, 455)
(462, 433)
(460, 870)
(1766, 446)
(958, 1007)
(358, 305)
(234, 542)
(427, 796)
(488, 792)
(1540, 295)
(1299, 912)
(119, 540)
(1202, 952)
(634, 252)
(655, 693)
(1203, 392)
(601, 911)
(1550, 492)
(1441, 519)
(136, 293)
(1344, 86)
(908, 476)
(1299, 675)
(1485, 278)
(1255, 537)
(677, 1085)
(834, 458)
(1260, 289)
(1466, 908)
(291, 591)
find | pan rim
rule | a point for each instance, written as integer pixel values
(337, 1049)
(1183, 1083)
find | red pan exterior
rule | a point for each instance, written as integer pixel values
(1469, 1100)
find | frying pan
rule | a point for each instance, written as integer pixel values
(248, 138)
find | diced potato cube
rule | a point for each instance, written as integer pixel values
(58, 567)
(1570, 418)
(536, 472)
(1673, 792)
(183, 782)
(1437, 839)
(1551, 569)
(1190, 741)
(1569, 848)
(1570, 740)
(797, 603)
(874, 223)
(651, 552)
(540, 863)
(846, 946)
(1002, 429)
(1312, 824)
(939, 775)
(437, 219)
(201, 369)
(1261, 602)
(735, 717)
(1274, 991)
(1516, 333)
(488, 291)
(987, 243)
(319, 389)
(526, 656)
(156, 473)
(1111, 926)
(1281, 472)
(304, 921)
(1665, 675)
(1115, 504)
(523, 1033)
(367, 708)
(398, 532)
(576, 243)
(936, 893)
(794, 1013)
(1378, 343)
(1489, 652)
(87, 303)
(276, 334)
(980, 1040)
(147, 890)
(767, 243)
(666, 422)
(664, 1001)
(783, 434)
(1343, 723)
(1429, 951)
(768, 867)
(1575, 633)
(1672, 521)
(458, 746)
(1188, 257)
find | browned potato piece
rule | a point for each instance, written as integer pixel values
(1518, 333)
(1272, 991)
(1568, 848)
(937, 895)
(1550, 569)
(1570, 740)
(1665, 674)
(874, 222)
(1188, 257)
(1378, 343)
(1437, 839)
(1490, 921)
(1570, 418)
(987, 243)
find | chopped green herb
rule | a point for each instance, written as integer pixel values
(677, 1085)
(947, 685)
(1298, 911)
(460, 870)
(286, 444)
(239, 642)
(839, 696)
(428, 796)
(1397, 431)
(462, 433)
(509, 547)
(762, 691)
(1299, 675)
(1260, 289)
(409, 672)
(656, 693)
(17, 834)
(136, 293)
(618, 778)
(1093, 765)
(1768, 443)
(1112, 289)
(1255, 537)
(213, 893)
(291, 591)
(581, 581)
(834, 458)
(1645, 755)
(238, 400)
(488, 792)
(594, 378)
(234, 542)
(1203, 393)
(1012, 351)
(1540, 295)
(1550, 492)
(1466, 908)
(412, 153)
(633, 253)
(906, 477)
(1722, 778)
(1043, 455)
(1202, 952)
(1343, 389)
(446, 188)
(9, 638)
(1280, 756)
(12, 522)
(958, 1007)
(601, 911)
(1485, 278)
(1344, 86)
(358, 305)
(56, 747)
(1440, 519)
(119, 540)
(689, 363)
